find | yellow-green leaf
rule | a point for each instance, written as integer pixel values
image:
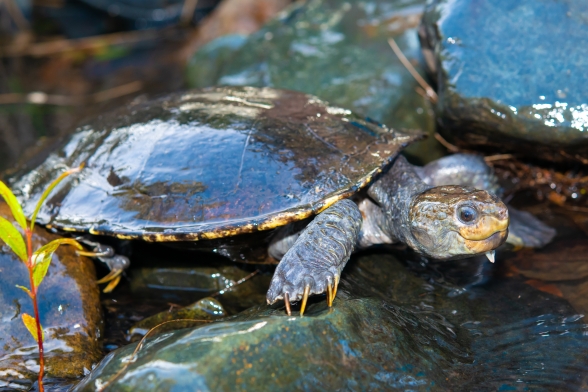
(31, 324)
(25, 290)
(42, 257)
(13, 239)
(49, 190)
(14, 205)
(40, 270)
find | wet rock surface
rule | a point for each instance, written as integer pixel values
(390, 327)
(70, 314)
(333, 49)
(510, 75)
(202, 311)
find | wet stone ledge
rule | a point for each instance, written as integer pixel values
(511, 75)
(70, 314)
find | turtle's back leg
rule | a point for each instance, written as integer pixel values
(471, 170)
(314, 263)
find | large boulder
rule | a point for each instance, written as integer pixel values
(389, 329)
(511, 74)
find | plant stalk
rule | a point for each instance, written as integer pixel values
(30, 266)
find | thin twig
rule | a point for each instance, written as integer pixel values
(430, 92)
(578, 157)
(16, 14)
(498, 157)
(574, 208)
(188, 12)
(133, 358)
(454, 149)
(237, 283)
(446, 144)
(89, 43)
(41, 98)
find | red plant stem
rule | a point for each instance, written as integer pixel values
(29, 236)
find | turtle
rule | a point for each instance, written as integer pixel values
(222, 166)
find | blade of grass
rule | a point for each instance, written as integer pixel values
(25, 290)
(31, 324)
(429, 90)
(13, 239)
(42, 257)
(14, 205)
(49, 190)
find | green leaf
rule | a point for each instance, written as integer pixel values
(42, 257)
(14, 205)
(31, 324)
(13, 239)
(25, 290)
(40, 270)
(49, 190)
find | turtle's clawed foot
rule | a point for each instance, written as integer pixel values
(297, 285)
(116, 263)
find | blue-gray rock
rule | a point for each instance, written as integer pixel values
(336, 50)
(388, 330)
(71, 317)
(511, 74)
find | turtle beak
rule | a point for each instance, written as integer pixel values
(487, 244)
(485, 228)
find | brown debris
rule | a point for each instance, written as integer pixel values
(41, 98)
(233, 17)
(567, 188)
(545, 287)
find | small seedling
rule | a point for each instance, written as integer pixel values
(37, 262)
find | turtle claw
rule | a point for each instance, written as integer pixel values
(287, 302)
(332, 291)
(113, 283)
(116, 263)
(112, 275)
(98, 249)
(293, 289)
(304, 299)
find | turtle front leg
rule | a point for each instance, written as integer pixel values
(313, 264)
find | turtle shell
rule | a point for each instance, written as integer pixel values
(209, 163)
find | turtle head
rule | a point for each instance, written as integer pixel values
(452, 222)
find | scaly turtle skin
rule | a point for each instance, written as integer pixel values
(211, 164)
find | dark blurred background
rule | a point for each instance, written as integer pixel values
(65, 60)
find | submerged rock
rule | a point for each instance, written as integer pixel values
(204, 310)
(388, 329)
(190, 276)
(337, 50)
(510, 75)
(70, 314)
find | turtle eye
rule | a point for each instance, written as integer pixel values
(467, 214)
